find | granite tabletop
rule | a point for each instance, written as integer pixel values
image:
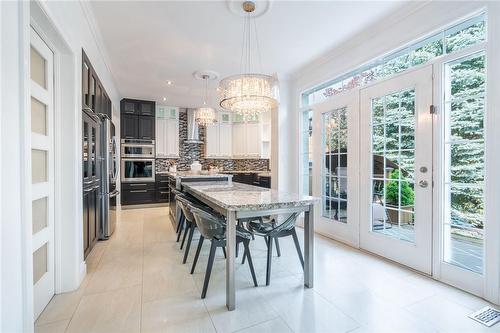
(243, 197)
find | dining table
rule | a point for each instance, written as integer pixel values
(238, 201)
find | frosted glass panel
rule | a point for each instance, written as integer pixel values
(38, 166)
(39, 214)
(39, 263)
(38, 68)
(38, 117)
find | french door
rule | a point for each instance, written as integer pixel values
(396, 169)
(336, 181)
(42, 171)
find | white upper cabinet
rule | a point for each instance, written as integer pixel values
(218, 137)
(167, 131)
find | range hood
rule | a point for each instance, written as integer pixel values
(192, 127)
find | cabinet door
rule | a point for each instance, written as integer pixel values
(253, 138)
(85, 221)
(172, 135)
(239, 137)
(85, 84)
(129, 126)
(146, 128)
(161, 137)
(225, 140)
(212, 140)
(98, 98)
(147, 108)
(129, 107)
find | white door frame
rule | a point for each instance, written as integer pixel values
(344, 232)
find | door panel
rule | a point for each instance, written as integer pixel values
(42, 170)
(396, 188)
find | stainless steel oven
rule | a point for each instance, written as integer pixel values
(138, 170)
(137, 148)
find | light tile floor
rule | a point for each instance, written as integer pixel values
(136, 282)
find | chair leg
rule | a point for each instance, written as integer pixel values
(198, 249)
(297, 246)
(186, 230)
(278, 251)
(269, 259)
(180, 226)
(250, 263)
(188, 245)
(224, 251)
(211, 258)
(237, 249)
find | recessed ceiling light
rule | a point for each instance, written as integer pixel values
(164, 99)
(169, 82)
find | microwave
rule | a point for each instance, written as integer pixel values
(138, 148)
(137, 170)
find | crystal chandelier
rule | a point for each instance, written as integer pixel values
(205, 115)
(249, 93)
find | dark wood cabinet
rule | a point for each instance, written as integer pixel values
(129, 126)
(138, 193)
(146, 128)
(94, 96)
(137, 119)
(90, 219)
(146, 108)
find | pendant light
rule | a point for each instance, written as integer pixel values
(249, 93)
(205, 115)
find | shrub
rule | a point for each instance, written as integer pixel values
(392, 191)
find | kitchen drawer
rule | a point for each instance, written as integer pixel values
(138, 186)
(162, 195)
(138, 196)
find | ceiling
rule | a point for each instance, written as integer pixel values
(150, 43)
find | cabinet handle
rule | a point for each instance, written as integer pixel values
(138, 184)
(139, 191)
(163, 192)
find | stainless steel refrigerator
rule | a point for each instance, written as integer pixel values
(109, 175)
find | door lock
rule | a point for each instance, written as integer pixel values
(423, 169)
(423, 183)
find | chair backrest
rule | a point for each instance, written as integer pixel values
(209, 224)
(288, 224)
(184, 203)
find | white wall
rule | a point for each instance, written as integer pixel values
(11, 318)
(67, 24)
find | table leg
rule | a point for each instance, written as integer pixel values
(309, 247)
(230, 258)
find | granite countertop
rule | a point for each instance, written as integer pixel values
(243, 197)
(261, 173)
(188, 174)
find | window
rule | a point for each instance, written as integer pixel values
(467, 33)
(334, 166)
(306, 167)
(465, 83)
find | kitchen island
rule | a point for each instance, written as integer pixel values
(177, 179)
(237, 201)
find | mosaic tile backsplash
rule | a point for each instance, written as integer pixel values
(190, 152)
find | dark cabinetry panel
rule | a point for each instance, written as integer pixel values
(146, 128)
(90, 219)
(129, 126)
(138, 193)
(94, 96)
(146, 108)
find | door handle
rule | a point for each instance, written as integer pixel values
(423, 183)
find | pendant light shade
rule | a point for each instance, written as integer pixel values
(205, 115)
(249, 93)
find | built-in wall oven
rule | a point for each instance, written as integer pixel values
(136, 148)
(138, 170)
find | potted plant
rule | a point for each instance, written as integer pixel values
(393, 199)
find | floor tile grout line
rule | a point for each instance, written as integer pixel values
(256, 324)
(142, 277)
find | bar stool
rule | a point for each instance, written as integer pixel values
(180, 223)
(213, 227)
(185, 204)
(271, 231)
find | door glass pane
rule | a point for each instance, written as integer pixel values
(393, 136)
(37, 68)
(93, 150)
(38, 117)
(335, 164)
(40, 263)
(85, 148)
(38, 166)
(464, 161)
(39, 214)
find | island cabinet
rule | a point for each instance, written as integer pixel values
(137, 119)
(167, 131)
(218, 142)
